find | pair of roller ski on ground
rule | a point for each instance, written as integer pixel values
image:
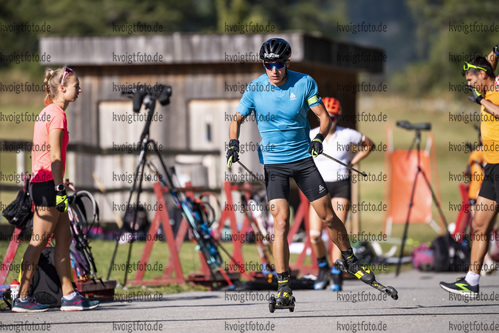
(285, 299)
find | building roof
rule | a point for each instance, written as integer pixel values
(192, 48)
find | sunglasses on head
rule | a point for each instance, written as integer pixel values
(278, 65)
(468, 66)
(67, 70)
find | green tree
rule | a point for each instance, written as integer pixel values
(449, 33)
(314, 16)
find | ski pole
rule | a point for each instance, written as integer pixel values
(345, 165)
(251, 173)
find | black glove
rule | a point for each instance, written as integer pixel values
(495, 49)
(477, 97)
(232, 153)
(61, 200)
(315, 148)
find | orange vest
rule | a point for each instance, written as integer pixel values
(490, 130)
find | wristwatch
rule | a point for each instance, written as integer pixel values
(60, 187)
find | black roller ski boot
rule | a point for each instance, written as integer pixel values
(284, 298)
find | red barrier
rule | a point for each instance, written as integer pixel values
(229, 213)
(302, 216)
(173, 266)
(174, 244)
(10, 255)
(463, 219)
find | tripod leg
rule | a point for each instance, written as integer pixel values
(406, 227)
(140, 165)
(440, 212)
(136, 211)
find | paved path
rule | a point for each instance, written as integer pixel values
(421, 307)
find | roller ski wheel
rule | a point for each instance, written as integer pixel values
(388, 290)
(273, 304)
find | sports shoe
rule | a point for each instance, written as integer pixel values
(284, 293)
(322, 278)
(336, 279)
(354, 268)
(28, 305)
(460, 287)
(78, 303)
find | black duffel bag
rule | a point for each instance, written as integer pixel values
(19, 211)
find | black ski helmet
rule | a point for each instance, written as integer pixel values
(275, 49)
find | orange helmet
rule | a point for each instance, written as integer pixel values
(332, 105)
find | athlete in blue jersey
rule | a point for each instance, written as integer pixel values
(281, 100)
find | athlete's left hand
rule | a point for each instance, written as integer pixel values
(315, 148)
(477, 97)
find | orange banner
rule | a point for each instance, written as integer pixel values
(403, 171)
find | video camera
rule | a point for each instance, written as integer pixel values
(158, 92)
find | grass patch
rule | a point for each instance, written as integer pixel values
(102, 251)
(414, 110)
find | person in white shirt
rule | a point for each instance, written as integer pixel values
(350, 147)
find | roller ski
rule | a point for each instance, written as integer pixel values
(284, 298)
(352, 266)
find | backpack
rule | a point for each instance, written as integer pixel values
(423, 258)
(450, 255)
(46, 286)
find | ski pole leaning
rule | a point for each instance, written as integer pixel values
(345, 165)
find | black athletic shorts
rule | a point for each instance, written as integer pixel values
(490, 184)
(340, 189)
(305, 174)
(43, 194)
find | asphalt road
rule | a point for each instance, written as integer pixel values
(422, 307)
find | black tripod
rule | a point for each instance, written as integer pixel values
(148, 96)
(417, 140)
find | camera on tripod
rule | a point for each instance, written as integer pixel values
(408, 126)
(139, 92)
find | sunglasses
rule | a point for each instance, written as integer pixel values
(468, 66)
(333, 118)
(278, 65)
(67, 70)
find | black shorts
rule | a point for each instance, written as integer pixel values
(43, 194)
(490, 185)
(340, 189)
(305, 174)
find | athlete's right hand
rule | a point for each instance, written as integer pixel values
(233, 152)
(61, 200)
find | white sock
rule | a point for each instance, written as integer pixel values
(70, 296)
(472, 278)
